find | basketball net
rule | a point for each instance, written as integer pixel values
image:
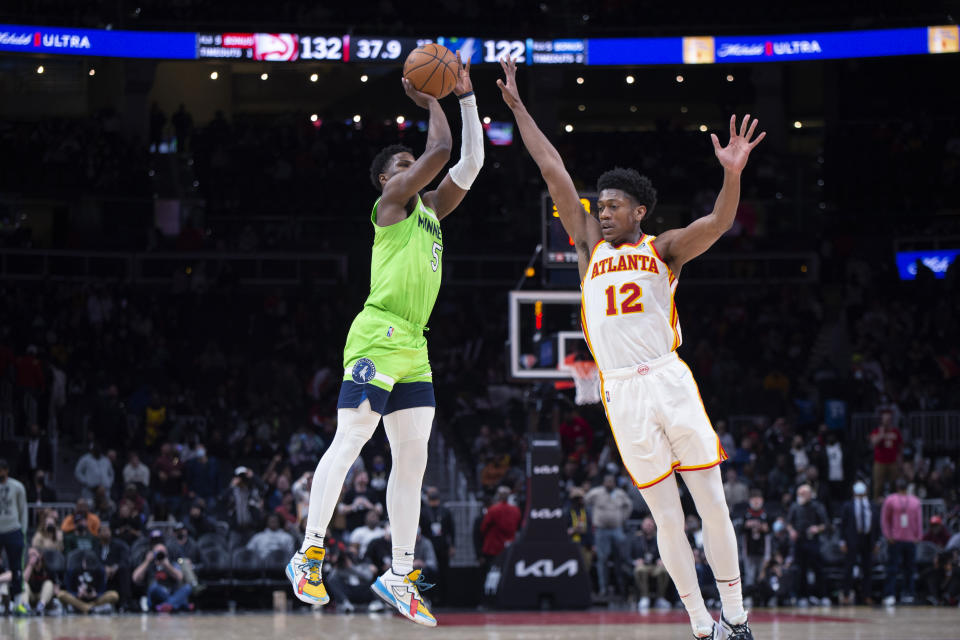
(586, 379)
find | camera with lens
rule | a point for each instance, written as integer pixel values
(161, 555)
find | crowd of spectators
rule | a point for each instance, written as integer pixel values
(172, 417)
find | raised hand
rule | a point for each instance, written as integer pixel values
(420, 98)
(509, 89)
(464, 85)
(733, 157)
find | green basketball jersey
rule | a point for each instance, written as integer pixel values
(406, 265)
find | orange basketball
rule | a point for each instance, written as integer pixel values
(431, 69)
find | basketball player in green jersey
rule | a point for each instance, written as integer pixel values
(386, 370)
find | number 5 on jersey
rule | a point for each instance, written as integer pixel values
(435, 263)
(629, 304)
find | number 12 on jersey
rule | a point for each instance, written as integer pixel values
(630, 303)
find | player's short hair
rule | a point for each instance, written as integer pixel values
(631, 183)
(382, 159)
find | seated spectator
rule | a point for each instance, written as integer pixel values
(348, 581)
(85, 589)
(126, 525)
(271, 538)
(132, 498)
(358, 501)
(80, 538)
(371, 529)
(187, 549)
(424, 555)
(380, 551)
(942, 580)
(168, 478)
(115, 556)
(164, 581)
(647, 565)
(93, 470)
(40, 583)
(773, 586)
(135, 472)
(379, 474)
(198, 522)
(38, 491)
(81, 512)
(103, 506)
(734, 489)
(937, 533)
(48, 534)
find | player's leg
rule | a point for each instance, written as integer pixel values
(719, 539)
(407, 420)
(697, 448)
(663, 500)
(354, 428)
(408, 432)
(630, 401)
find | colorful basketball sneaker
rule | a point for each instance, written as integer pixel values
(303, 570)
(403, 593)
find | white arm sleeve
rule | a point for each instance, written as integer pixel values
(471, 147)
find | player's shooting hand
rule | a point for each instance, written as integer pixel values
(464, 85)
(733, 157)
(508, 89)
(421, 99)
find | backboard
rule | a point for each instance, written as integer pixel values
(544, 333)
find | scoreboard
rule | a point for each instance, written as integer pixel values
(336, 48)
(290, 47)
(558, 248)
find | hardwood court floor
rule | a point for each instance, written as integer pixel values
(859, 623)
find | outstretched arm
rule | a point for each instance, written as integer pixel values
(403, 186)
(583, 228)
(679, 246)
(458, 180)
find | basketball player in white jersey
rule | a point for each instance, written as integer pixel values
(630, 321)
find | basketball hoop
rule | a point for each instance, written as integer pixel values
(586, 378)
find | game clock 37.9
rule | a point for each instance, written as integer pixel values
(372, 49)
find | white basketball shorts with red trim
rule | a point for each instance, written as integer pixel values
(658, 420)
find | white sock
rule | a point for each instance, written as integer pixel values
(732, 598)
(354, 428)
(408, 431)
(311, 539)
(719, 539)
(663, 500)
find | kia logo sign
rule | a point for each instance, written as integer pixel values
(275, 46)
(545, 569)
(544, 469)
(546, 514)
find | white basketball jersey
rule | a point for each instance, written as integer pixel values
(629, 316)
